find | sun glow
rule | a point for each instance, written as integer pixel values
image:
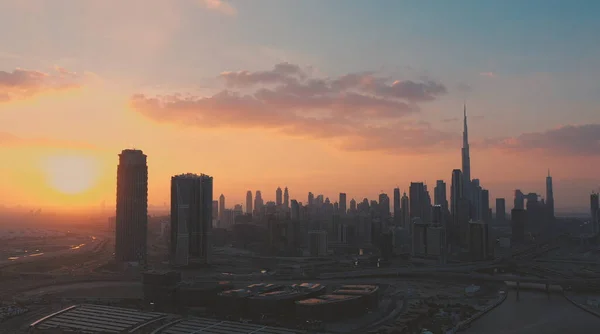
(71, 174)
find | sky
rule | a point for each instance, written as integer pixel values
(323, 96)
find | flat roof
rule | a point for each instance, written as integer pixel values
(213, 326)
(327, 299)
(89, 318)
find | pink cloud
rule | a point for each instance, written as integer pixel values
(488, 74)
(221, 6)
(22, 83)
(361, 111)
(581, 140)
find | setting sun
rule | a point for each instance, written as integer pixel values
(70, 174)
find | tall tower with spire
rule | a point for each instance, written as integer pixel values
(466, 159)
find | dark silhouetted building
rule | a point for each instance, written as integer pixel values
(478, 240)
(485, 205)
(439, 195)
(549, 196)
(286, 198)
(191, 219)
(500, 209)
(132, 207)
(595, 212)
(249, 202)
(405, 211)
(278, 197)
(342, 204)
(518, 219)
(466, 160)
(396, 208)
(221, 207)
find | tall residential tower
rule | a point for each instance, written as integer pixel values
(132, 207)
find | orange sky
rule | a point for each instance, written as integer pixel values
(81, 81)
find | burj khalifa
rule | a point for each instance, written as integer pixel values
(466, 160)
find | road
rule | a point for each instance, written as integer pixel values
(535, 313)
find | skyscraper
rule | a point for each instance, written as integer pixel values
(295, 210)
(417, 195)
(342, 204)
(132, 207)
(311, 198)
(455, 191)
(286, 198)
(353, 205)
(384, 205)
(466, 160)
(258, 202)
(594, 212)
(249, 202)
(485, 205)
(191, 218)
(439, 195)
(500, 209)
(278, 197)
(404, 208)
(549, 196)
(221, 207)
(396, 208)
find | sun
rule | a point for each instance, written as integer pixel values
(71, 174)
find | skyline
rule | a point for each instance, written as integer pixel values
(530, 92)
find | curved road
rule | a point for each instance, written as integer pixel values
(535, 313)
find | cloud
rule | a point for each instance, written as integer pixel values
(22, 83)
(360, 111)
(221, 6)
(11, 140)
(488, 74)
(450, 120)
(581, 140)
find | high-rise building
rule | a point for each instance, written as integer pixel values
(419, 237)
(221, 207)
(191, 219)
(132, 207)
(249, 202)
(595, 212)
(405, 212)
(286, 198)
(215, 213)
(295, 210)
(478, 240)
(342, 204)
(353, 206)
(278, 196)
(384, 205)
(485, 205)
(476, 209)
(466, 159)
(455, 191)
(317, 243)
(519, 203)
(518, 219)
(417, 198)
(500, 209)
(549, 196)
(439, 195)
(258, 202)
(397, 214)
(311, 198)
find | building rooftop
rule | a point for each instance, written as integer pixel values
(89, 318)
(326, 299)
(213, 326)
